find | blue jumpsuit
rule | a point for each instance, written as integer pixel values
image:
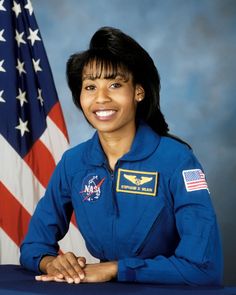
(153, 213)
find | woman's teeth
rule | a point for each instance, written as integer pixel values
(104, 113)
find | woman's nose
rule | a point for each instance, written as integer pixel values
(103, 96)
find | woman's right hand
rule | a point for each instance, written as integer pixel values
(66, 267)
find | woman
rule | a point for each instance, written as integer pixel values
(139, 195)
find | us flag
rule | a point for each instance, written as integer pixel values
(33, 135)
(194, 180)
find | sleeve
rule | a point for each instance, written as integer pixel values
(50, 221)
(197, 260)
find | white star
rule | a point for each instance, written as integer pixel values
(36, 65)
(1, 6)
(29, 7)
(1, 67)
(33, 36)
(22, 127)
(40, 96)
(19, 38)
(1, 36)
(1, 98)
(21, 97)
(20, 67)
(16, 8)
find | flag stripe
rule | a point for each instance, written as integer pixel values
(41, 162)
(54, 140)
(7, 245)
(16, 223)
(56, 115)
(29, 190)
(73, 220)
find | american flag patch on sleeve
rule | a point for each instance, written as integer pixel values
(194, 180)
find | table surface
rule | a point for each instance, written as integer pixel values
(16, 280)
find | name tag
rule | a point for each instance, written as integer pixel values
(137, 182)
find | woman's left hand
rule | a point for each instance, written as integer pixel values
(100, 272)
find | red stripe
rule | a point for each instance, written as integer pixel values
(41, 162)
(73, 220)
(57, 117)
(196, 184)
(14, 219)
(197, 181)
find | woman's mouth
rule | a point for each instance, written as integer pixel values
(105, 114)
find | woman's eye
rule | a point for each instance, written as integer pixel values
(115, 85)
(89, 87)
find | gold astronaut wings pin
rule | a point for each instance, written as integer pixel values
(137, 182)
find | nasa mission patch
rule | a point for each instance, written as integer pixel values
(91, 188)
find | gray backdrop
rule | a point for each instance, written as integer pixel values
(193, 45)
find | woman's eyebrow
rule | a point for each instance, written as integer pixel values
(108, 76)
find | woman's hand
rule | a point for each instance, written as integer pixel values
(71, 269)
(100, 272)
(66, 267)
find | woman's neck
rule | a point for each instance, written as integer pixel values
(116, 144)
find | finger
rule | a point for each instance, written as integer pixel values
(66, 266)
(66, 271)
(59, 275)
(73, 267)
(75, 271)
(62, 273)
(70, 280)
(46, 278)
(43, 277)
(81, 261)
(54, 272)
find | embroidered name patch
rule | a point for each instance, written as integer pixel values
(137, 182)
(194, 180)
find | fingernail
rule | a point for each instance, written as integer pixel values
(70, 280)
(77, 280)
(38, 278)
(81, 263)
(81, 275)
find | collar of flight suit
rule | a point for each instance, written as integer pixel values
(145, 143)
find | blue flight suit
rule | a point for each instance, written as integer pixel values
(146, 214)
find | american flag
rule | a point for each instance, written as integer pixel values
(33, 135)
(194, 180)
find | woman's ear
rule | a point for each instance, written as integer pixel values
(139, 93)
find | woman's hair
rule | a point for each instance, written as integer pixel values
(114, 51)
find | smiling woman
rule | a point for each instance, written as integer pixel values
(109, 103)
(139, 194)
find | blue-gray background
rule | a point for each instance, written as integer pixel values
(193, 44)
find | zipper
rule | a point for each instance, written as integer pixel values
(114, 208)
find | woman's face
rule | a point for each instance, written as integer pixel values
(109, 104)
